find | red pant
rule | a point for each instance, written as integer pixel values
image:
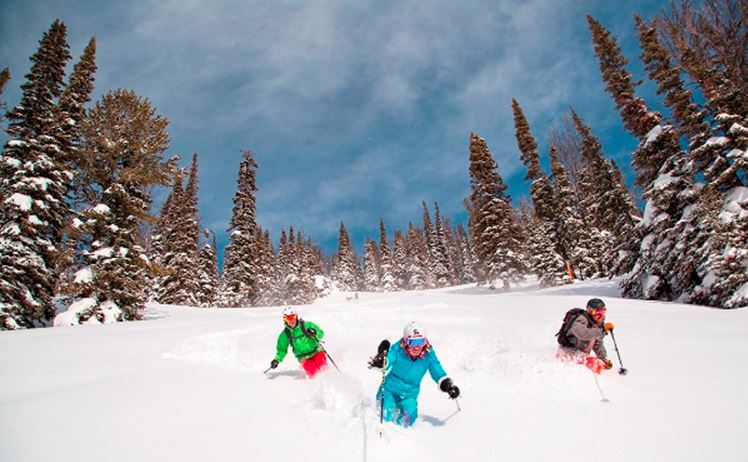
(314, 364)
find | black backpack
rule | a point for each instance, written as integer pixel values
(569, 318)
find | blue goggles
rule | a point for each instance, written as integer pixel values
(415, 341)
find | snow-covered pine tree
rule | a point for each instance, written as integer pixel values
(372, 282)
(468, 260)
(663, 175)
(399, 260)
(573, 236)
(454, 251)
(123, 139)
(299, 282)
(34, 182)
(159, 248)
(606, 205)
(240, 271)
(493, 227)
(207, 271)
(708, 42)
(72, 112)
(417, 267)
(269, 283)
(549, 263)
(386, 271)
(345, 272)
(428, 233)
(438, 250)
(72, 106)
(180, 286)
(542, 259)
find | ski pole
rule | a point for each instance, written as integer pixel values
(622, 370)
(381, 400)
(267, 370)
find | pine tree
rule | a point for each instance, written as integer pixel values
(468, 257)
(400, 260)
(417, 269)
(34, 183)
(386, 275)
(493, 228)
(269, 281)
(668, 186)
(159, 247)
(346, 266)
(372, 281)
(240, 271)
(637, 118)
(549, 262)
(180, 285)
(709, 42)
(439, 253)
(207, 271)
(573, 236)
(121, 162)
(606, 205)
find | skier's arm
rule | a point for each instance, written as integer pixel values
(580, 330)
(316, 331)
(281, 348)
(391, 357)
(435, 368)
(599, 349)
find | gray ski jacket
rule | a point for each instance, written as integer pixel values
(587, 335)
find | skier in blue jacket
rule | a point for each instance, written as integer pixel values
(404, 366)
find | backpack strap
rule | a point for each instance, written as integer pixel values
(287, 330)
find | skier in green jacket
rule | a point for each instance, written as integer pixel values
(303, 337)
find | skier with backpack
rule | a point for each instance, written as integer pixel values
(581, 332)
(403, 366)
(304, 339)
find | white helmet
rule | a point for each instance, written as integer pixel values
(289, 311)
(413, 330)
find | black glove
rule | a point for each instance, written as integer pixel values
(311, 332)
(274, 364)
(378, 360)
(449, 388)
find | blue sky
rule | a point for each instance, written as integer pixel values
(354, 110)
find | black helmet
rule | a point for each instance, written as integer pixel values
(595, 304)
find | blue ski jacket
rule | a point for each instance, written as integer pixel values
(404, 374)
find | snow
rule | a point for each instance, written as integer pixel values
(83, 275)
(653, 134)
(69, 317)
(188, 384)
(102, 209)
(22, 201)
(104, 252)
(717, 141)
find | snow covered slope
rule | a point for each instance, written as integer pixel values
(188, 385)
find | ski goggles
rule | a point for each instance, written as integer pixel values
(599, 312)
(289, 319)
(415, 342)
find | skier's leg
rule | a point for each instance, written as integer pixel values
(409, 408)
(389, 406)
(314, 364)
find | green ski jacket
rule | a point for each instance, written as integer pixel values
(304, 346)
